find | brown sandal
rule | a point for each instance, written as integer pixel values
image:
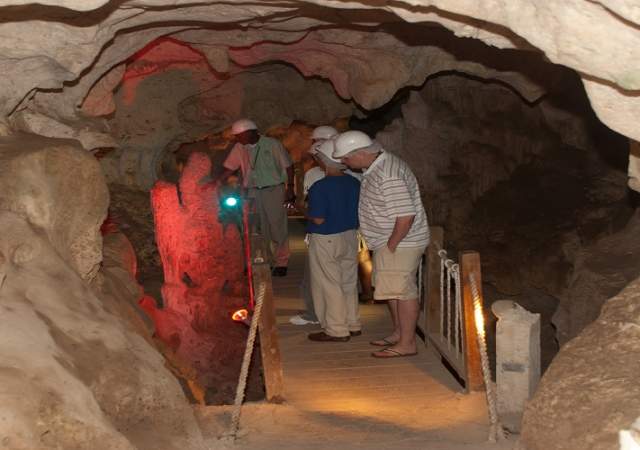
(382, 343)
(391, 353)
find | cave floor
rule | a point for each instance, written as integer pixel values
(339, 397)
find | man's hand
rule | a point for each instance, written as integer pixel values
(400, 230)
(289, 197)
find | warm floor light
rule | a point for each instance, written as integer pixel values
(240, 315)
(479, 317)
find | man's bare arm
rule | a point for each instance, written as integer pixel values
(225, 175)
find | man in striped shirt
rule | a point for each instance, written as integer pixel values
(394, 225)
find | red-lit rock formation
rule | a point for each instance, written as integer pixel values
(204, 281)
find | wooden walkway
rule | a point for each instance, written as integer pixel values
(415, 394)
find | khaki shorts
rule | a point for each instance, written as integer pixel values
(394, 274)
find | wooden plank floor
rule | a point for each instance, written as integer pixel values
(337, 397)
(343, 376)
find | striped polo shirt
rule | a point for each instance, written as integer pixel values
(389, 190)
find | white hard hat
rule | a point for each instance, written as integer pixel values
(242, 125)
(325, 151)
(323, 132)
(350, 141)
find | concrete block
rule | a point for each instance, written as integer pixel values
(517, 360)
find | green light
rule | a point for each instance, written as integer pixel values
(230, 202)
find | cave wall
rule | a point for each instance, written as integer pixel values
(591, 390)
(532, 187)
(38, 176)
(78, 369)
(204, 283)
(540, 190)
(62, 61)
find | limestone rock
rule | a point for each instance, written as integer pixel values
(459, 141)
(598, 39)
(77, 376)
(486, 162)
(99, 100)
(203, 282)
(200, 103)
(591, 390)
(87, 134)
(117, 282)
(80, 371)
(49, 182)
(600, 271)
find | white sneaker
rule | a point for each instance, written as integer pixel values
(299, 320)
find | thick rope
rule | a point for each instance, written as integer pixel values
(246, 361)
(449, 264)
(495, 431)
(420, 293)
(443, 256)
(458, 314)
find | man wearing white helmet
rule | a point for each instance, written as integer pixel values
(394, 225)
(318, 136)
(267, 171)
(333, 249)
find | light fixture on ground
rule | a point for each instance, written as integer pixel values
(242, 316)
(231, 201)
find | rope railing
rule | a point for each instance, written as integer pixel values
(457, 326)
(450, 283)
(246, 361)
(495, 431)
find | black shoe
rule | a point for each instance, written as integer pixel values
(279, 272)
(324, 337)
(355, 333)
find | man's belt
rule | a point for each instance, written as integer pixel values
(264, 187)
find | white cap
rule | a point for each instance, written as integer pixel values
(325, 152)
(242, 125)
(353, 140)
(323, 132)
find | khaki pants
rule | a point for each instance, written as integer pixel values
(333, 260)
(273, 222)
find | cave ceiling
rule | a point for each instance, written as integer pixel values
(54, 53)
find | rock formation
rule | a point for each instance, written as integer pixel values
(199, 102)
(591, 391)
(526, 185)
(204, 283)
(133, 80)
(100, 35)
(77, 370)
